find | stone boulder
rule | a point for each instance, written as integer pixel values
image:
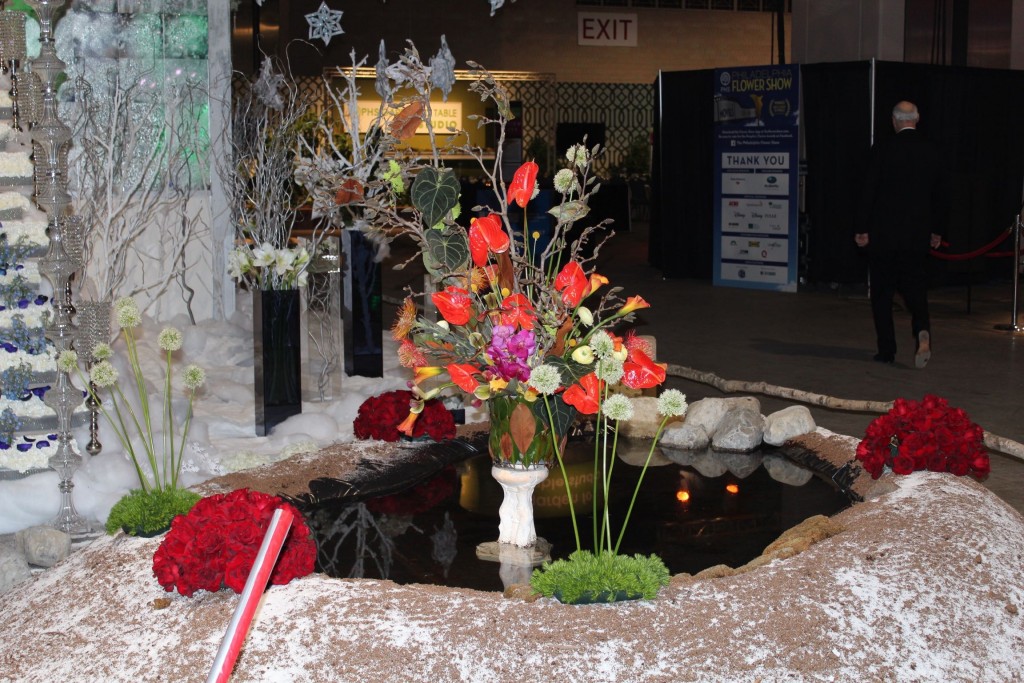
(646, 419)
(742, 465)
(740, 430)
(783, 425)
(13, 568)
(685, 437)
(43, 546)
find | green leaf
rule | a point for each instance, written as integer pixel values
(563, 413)
(447, 250)
(570, 212)
(434, 193)
(570, 369)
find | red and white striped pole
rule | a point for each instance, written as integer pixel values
(280, 523)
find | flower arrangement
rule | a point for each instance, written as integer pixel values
(215, 544)
(380, 417)
(263, 266)
(132, 420)
(925, 435)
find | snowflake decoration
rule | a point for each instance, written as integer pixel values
(381, 68)
(267, 87)
(324, 23)
(442, 69)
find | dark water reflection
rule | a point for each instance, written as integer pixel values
(429, 534)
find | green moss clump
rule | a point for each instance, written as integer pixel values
(147, 513)
(586, 577)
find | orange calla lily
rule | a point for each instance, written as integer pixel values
(487, 235)
(523, 184)
(462, 375)
(517, 310)
(454, 303)
(585, 396)
(572, 282)
(633, 303)
(407, 425)
(640, 372)
(425, 372)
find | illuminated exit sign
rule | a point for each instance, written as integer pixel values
(604, 28)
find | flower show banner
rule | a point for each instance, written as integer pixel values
(756, 166)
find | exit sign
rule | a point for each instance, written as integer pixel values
(607, 29)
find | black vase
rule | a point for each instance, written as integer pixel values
(277, 364)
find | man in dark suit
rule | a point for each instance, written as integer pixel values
(903, 213)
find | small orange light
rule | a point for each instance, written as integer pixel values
(683, 496)
(732, 488)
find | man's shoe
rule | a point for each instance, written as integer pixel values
(924, 349)
(885, 358)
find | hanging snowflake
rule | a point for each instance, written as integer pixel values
(496, 5)
(324, 23)
(442, 69)
(381, 83)
(267, 87)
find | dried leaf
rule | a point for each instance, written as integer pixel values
(558, 348)
(506, 447)
(506, 273)
(351, 190)
(523, 427)
(407, 121)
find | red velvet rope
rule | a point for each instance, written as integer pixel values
(977, 252)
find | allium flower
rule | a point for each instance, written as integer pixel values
(565, 182)
(102, 351)
(609, 370)
(546, 379)
(618, 407)
(193, 377)
(103, 374)
(672, 403)
(602, 344)
(128, 313)
(170, 339)
(577, 154)
(67, 361)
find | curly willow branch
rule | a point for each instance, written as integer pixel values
(994, 442)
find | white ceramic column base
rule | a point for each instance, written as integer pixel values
(515, 515)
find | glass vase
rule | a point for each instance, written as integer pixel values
(277, 363)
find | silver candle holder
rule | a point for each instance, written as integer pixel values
(93, 320)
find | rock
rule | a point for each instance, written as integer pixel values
(706, 413)
(684, 437)
(709, 464)
(801, 537)
(717, 572)
(521, 591)
(880, 487)
(740, 430)
(13, 568)
(646, 419)
(783, 425)
(741, 464)
(43, 546)
(786, 472)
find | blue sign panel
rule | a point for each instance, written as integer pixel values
(756, 177)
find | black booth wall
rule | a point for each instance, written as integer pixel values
(971, 113)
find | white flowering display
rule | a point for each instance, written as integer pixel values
(129, 414)
(265, 267)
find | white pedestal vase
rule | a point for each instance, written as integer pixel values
(515, 515)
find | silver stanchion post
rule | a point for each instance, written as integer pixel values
(1013, 326)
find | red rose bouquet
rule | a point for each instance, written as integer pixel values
(926, 435)
(379, 417)
(216, 544)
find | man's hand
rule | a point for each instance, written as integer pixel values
(861, 238)
(935, 241)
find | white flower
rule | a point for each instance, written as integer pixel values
(193, 377)
(67, 361)
(545, 379)
(238, 263)
(102, 351)
(170, 339)
(303, 278)
(103, 374)
(577, 154)
(264, 255)
(128, 315)
(609, 370)
(672, 403)
(283, 261)
(618, 407)
(602, 343)
(586, 317)
(565, 182)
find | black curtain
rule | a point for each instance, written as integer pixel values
(836, 122)
(682, 183)
(974, 116)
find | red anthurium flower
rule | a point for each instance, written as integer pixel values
(585, 396)
(517, 310)
(462, 375)
(640, 372)
(454, 303)
(633, 303)
(572, 282)
(487, 235)
(523, 184)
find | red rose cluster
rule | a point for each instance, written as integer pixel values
(216, 543)
(924, 436)
(380, 416)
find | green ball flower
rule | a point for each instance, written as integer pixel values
(193, 377)
(545, 379)
(672, 403)
(102, 351)
(67, 361)
(170, 339)
(618, 407)
(103, 374)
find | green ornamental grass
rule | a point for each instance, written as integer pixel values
(606, 577)
(149, 512)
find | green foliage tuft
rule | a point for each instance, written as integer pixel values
(586, 577)
(146, 513)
